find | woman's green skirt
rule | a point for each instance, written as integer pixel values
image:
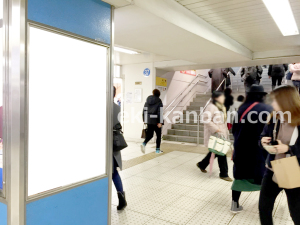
(245, 185)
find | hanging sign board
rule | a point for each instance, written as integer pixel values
(189, 72)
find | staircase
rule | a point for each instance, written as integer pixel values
(187, 130)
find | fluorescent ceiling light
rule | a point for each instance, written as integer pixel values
(117, 49)
(282, 13)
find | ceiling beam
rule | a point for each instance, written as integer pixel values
(178, 15)
(118, 3)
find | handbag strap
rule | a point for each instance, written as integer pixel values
(247, 110)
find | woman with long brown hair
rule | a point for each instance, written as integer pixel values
(285, 123)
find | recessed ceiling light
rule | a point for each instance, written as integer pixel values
(118, 49)
(283, 16)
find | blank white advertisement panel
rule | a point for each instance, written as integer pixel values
(67, 110)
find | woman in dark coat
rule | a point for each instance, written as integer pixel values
(117, 162)
(288, 144)
(248, 158)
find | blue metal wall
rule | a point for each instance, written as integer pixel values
(87, 204)
(89, 18)
(3, 214)
(84, 205)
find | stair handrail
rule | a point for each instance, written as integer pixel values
(169, 112)
(197, 76)
(165, 127)
(198, 120)
(238, 74)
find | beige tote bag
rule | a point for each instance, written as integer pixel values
(287, 170)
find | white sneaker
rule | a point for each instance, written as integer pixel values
(159, 151)
(143, 148)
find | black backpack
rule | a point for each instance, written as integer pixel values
(278, 68)
(250, 74)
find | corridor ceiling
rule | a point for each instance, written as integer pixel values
(198, 34)
(246, 21)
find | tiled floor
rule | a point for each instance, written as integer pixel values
(133, 150)
(169, 190)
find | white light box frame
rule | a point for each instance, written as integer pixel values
(67, 88)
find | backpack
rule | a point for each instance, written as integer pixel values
(250, 74)
(277, 68)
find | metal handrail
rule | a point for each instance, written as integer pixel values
(237, 74)
(169, 112)
(198, 75)
(165, 127)
(198, 121)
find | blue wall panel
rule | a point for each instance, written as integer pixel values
(84, 205)
(3, 214)
(89, 18)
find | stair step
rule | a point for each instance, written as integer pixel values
(190, 133)
(187, 127)
(187, 139)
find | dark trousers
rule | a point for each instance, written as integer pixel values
(151, 128)
(276, 81)
(236, 195)
(222, 160)
(116, 177)
(268, 194)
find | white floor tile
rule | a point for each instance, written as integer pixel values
(158, 222)
(148, 207)
(212, 214)
(170, 189)
(190, 204)
(128, 217)
(176, 215)
(245, 218)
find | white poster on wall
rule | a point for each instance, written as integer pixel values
(129, 97)
(137, 95)
(67, 139)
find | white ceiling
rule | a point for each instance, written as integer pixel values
(197, 34)
(246, 21)
(136, 28)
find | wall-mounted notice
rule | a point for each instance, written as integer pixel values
(137, 95)
(161, 81)
(129, 97)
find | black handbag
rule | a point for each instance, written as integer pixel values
(119, 142)
(144, 131)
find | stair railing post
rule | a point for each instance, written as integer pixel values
(198, 128)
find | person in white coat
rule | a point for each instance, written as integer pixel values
(215, 121)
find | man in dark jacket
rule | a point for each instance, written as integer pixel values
(153, 117)
(217, 76)
(228, 80)
(277, 72)
(248, 79)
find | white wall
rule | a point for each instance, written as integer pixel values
(133, 124)
(178, 82)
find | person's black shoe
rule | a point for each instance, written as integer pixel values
(202, 170)
(122, 201)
